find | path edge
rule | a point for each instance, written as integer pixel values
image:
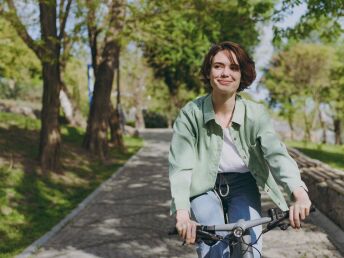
(33, 248)
(334, 232)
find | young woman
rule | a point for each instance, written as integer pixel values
(223, 148)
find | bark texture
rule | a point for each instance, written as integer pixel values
(337, 131)
(97, 124)
(47, 49)
(50, 139)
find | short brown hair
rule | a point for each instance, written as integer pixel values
(246, 64)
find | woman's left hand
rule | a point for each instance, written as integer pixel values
(299, 210)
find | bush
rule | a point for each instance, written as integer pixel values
(154, 119)
(130, 123)
(9, 89)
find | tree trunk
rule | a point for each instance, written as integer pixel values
(307, 136)
(69, 107)
(50, 139)
(323, 128)
(291, 126)
(115, 128)
(66, 106)
(97, 125)
(174, 106)
(116, 120)
(139, 119)
(337, 131)
(139, 95)
(47, 49)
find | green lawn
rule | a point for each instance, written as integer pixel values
(31, 202)
(327, 153)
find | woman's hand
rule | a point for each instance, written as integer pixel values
(185, 226)
(299, 210)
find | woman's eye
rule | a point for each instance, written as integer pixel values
(234, 67)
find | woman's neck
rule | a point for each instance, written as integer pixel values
(223, 104)
(223, 108)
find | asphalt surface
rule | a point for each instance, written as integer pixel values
(128, 216)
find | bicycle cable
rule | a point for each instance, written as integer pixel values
(251, 244)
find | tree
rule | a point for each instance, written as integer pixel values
(322, 17)
(334, 95)
(105, 44)
(47, 49)
(183, 32)
(298, 74)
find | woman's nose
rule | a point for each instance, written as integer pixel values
(226, 71)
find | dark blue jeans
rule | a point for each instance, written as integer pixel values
(243, 202)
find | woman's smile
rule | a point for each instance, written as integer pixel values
(224, 82)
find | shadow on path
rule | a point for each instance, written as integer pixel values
(130, 217)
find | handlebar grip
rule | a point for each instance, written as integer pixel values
(311, 209)
(277, 214)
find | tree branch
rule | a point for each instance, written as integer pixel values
(64, 19)
(13, 18)
(61, 12)
(93, 32)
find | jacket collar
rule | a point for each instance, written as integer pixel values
(238, 115)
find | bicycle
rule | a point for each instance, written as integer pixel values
(239, 231)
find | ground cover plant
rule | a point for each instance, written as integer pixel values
(331, 154)
(32, 202)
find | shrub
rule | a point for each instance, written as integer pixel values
(154, 119)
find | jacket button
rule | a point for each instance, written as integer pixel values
(244, 157)
(235, 138)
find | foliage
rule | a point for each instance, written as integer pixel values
(299, 74)
(32, 203)
(175, 37)
(19, 67)
(75, 78)
(154, 119)
(336, 90)
(135, 78)
(323, 17)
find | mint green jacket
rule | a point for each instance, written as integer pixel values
(197, 144)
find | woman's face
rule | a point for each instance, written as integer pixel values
(225, 74)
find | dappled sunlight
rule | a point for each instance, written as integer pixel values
(32, 202)
(137, 185)
(70, 250)
(129, 217)
(54, 137)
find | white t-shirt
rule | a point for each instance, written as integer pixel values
(230, 160)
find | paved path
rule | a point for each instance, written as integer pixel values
(129, 217)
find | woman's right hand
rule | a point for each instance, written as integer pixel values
(185, 226)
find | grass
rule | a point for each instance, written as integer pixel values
(31, 202)
(333, 155)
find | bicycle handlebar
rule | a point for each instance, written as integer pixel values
(275, 217)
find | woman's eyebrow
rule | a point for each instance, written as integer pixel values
(219, 63)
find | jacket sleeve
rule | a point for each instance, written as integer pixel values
(283, 167)
(181, 160)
